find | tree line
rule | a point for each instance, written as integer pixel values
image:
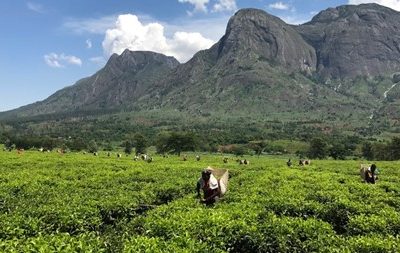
(335, 146)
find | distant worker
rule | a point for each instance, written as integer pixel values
(289, 163)
(370, 174)
(213, 188)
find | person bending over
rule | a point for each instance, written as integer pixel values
(210, 186)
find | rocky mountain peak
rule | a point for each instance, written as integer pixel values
(355, 13)
(355, 40)
(136, 60)
(255, 33)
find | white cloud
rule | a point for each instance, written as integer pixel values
(88, 44)
(92, 25)
(59, 61)
(394, 4)
(130, 33)
(212, 28)
(225, 5)
(279, 6)
(184, 45)
(199, 5)
(35, 7)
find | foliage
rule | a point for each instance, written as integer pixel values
(338, 151)
(140, 143)
(258, 146)
(8, 143)
(77, 144)
(175, 143)
(121, 205)
(127, 147)
(367, 151)
(394, 149)
(28, 142)
(108, 147)
(318, 148)
(239, 150)
(92, 146)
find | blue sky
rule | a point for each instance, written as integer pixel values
(46, 45)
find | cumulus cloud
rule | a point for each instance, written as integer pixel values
(35, 7)
(211, 28)
(394, 4)
(184, 45)
(60, 60)
(279, 6)
(88, 44)
(225, 5)
(199, 5)
(130, 33)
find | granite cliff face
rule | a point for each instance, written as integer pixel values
(353, 41)
(254, 32)
(247, 70)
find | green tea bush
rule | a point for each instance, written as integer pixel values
(83, 203)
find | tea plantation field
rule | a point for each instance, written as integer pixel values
(82, 203)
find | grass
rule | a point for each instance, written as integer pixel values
(74, 202)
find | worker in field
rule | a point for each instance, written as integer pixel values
(289, 163)
(213, 188)
(371, 174)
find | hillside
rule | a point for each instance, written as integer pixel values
(123, 80)
(334, 71)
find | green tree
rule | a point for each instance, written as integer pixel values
(92, 146)
(127, 147)
(140, 143)
(380, 151)
(175, 143)
(338, 151)
(51, 143)
(258, 146)
(394, 149)
(76, 144)
(8, 143)
(108, 147)
(318, 148)
(239, 150)
(367, 151)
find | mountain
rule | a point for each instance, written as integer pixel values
(123, 80)
(335, 70)
(353, 41)
(258, 67)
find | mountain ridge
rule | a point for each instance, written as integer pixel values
(261, 67)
